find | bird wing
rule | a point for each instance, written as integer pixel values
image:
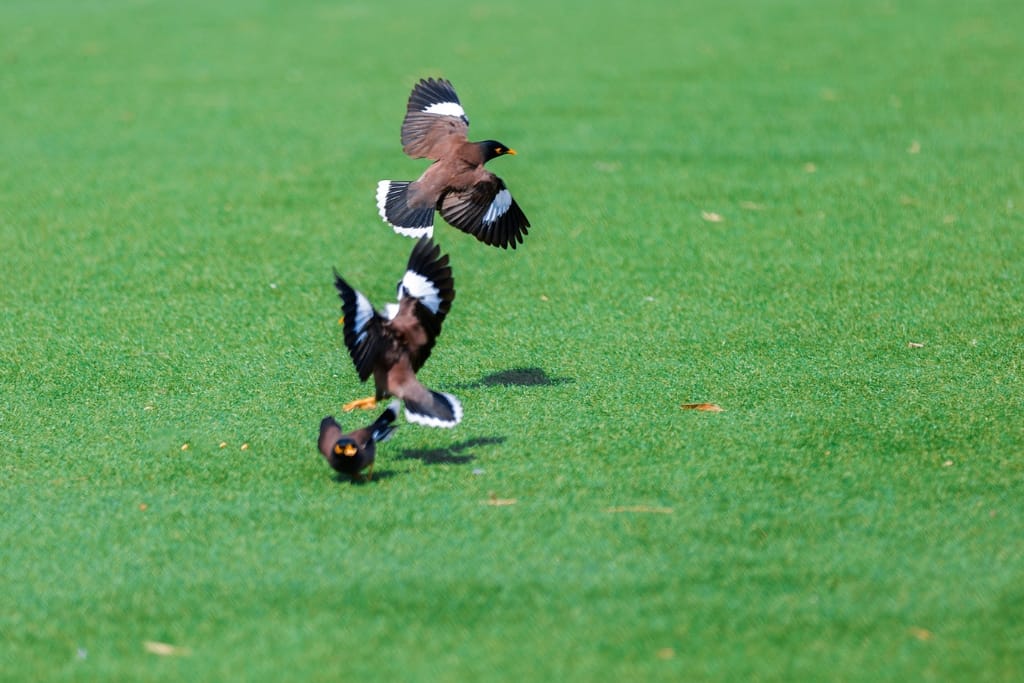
(428, 278)
(365, 332)
(433, 116)
(487, 211)
(330, 432)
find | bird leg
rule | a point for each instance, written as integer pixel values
(369, 473)
(368, 403)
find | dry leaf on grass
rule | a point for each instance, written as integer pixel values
(915, 147)
(711, 216)
(666, 653)
(499, 502)
(164, 649)
(648, 509)
(706, 407)
(751, 206)
(915, 345)
(921, 634)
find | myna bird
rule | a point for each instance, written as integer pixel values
(354, 452)
(393, 346)
(469, 197)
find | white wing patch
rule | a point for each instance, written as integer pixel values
(447, 109)
(364, 313)
(415, 285)
(498, 207)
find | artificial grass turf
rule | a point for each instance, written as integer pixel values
(181, 178)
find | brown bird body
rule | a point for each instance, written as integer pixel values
(393, 346)
(469, 197)
(356, 451)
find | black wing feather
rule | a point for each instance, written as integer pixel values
(364, 331)
(465, 210)
(427, 261)
(431, 91)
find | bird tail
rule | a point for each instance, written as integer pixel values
(393, 206)
(441, 410)
(384, 426)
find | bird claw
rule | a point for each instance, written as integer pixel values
(368, 403)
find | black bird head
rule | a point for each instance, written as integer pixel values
(349, 458)
(493, 148)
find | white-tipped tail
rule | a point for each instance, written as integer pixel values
(382, 199)
(393, 207)
(445, 411)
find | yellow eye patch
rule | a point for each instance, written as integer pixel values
(348, 450)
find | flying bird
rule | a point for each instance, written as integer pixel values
(469, 197)
(354, 452)
(393, 345)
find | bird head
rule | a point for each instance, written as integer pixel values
(493, 148)
(348, 457)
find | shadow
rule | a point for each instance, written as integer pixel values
(518, 377)
(360, 480)
(450, 455)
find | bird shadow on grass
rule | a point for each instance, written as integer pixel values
(450, 455)
(517, 377)
(361, 480)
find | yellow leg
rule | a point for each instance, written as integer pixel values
(368, 403)
(369, 472)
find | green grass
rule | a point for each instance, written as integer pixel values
(179, 178)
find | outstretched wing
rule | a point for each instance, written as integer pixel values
(433, 114)
(487, 211)
(425, 295)
(364, 328)
(330, 432)
(428, 277)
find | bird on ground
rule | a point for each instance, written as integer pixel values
(354, 452)
(393, 345)
(469, 197)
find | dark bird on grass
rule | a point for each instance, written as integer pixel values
(393, 345)
(469, 197)
(354, 452)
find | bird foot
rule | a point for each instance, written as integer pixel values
(368, 403)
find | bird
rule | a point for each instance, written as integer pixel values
(469, 197)
(354, 452)
(393, 345)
